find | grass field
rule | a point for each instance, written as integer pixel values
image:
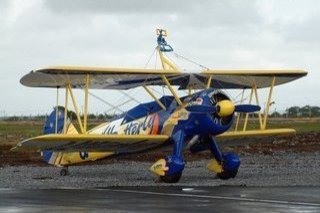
(301, 124)
(20, 128)
(14, 131)
(23, 128)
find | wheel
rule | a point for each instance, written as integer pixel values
(230, 165)
(171, 178)
(64, 172)
(225, 175)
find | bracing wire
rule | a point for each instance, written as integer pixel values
(111, 105)
(107, 103)
(124, 93)
(148, 61)
(203, 67)
(191, 61)
(130, 97)
(155, 64)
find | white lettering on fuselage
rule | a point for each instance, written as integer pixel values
(142, 126)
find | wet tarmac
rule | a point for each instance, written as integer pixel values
(162, 199)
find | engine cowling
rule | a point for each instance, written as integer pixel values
(223, 115)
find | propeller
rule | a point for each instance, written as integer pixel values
(247, 108)
(201, 109)
(223, 108)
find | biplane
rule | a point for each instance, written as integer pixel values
(193, 121)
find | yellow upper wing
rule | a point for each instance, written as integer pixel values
(126, 78)
(91, 142)
(252, 78)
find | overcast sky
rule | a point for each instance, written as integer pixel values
(121, 33)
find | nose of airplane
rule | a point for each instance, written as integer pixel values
(225, 108)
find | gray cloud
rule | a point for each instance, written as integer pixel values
(192, 13)
(219, 34)
(119, 6)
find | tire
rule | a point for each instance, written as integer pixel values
(225, 175)
(64, 172)
(171, 178)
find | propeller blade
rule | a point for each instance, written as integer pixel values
(201, 109)
(247, 108)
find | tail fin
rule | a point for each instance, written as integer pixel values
(60, 158)
(50, 128)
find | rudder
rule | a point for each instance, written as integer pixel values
(50, 128)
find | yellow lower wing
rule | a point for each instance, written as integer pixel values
(70, 158)
(251, 133)
(91, 142)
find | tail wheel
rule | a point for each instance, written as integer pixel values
(64, 172)
(174, 178)
(225, 175)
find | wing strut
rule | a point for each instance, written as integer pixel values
(238, 116)
(268, 103)
(257, 102)
(75, 106)
(262, 121)
(57, 107)
(66, 111)
(154, 97)
(175, 95)
(247, 114)
(83, 126)
(209, 82)
(85, 116)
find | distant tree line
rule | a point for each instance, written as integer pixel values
(295, 111)
(292, 112)
(71, 114)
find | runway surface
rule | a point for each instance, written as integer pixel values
(282, 182)
(162, 199)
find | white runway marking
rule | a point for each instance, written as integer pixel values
(219, 197)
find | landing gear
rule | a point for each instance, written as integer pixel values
(170, 169)
(225, 175)
(175, 167)
(230, 165)
(174, 178)
(64, 171)
(225, 165)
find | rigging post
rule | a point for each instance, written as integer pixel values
(162, 47)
